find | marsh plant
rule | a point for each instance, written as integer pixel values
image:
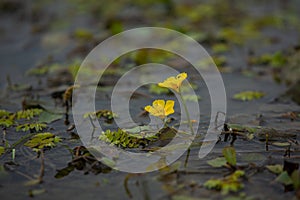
(161, 109)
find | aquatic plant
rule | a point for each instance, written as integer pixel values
(231, 183)
(122, 138)
(174, 83)
(42, 140)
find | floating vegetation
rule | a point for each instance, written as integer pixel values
(217, 162)
(9, 119)
(275, 60)
(6, 122)
(229, 159)
(230, 155)
(248, 95)
(4, 113)
(106, 114)
(231, 183)
(276, 169)
(31, 127)
(124, 139)
(42, 140)
(28, 114)
(293, 179)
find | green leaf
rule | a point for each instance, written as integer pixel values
(281, 144)
(248, 95)
(41, 140)
(296, 179)
(124, 139)
(284, 178)
(48, 117)
(28, 114)
(6, 122)
(4, 113)
(230, 183)
(217, 162)
(32, 126)
(230, 155)
(2, 149)
(276, 169)
(213, 184)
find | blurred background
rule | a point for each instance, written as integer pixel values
(257, 38)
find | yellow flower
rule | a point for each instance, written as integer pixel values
(160, 108)
(174, 82)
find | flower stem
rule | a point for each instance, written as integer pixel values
(187, 113)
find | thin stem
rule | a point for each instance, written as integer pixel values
(42, 169)
(190, 125)
(165, 122)
(187, 157)
(187, 112)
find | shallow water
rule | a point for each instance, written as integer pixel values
(22, 49)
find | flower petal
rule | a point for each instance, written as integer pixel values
(148, 108)
(169, 108)
(181, 76)
(159, 103)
